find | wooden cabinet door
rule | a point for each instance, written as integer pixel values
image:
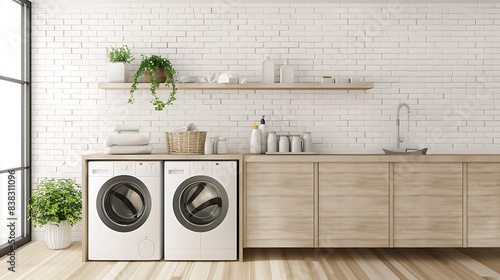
(354, 205)
(279, 205)
(427, 204)
(483, 205)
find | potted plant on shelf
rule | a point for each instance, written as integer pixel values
(156, 70)
(57, 205)
(120, 58)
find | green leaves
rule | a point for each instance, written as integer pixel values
(121, 54)
(54, 201)
(149, 65)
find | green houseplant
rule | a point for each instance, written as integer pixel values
(57, 205)
(120, 58)
(155, 70)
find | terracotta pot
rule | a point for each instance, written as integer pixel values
(161, 75)
(58, 236)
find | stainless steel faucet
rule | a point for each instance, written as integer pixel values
(400, 139)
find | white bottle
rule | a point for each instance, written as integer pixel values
(255, 144)
(222, 146)
(287, 73)
(308, 146)
(267, 70)
(209, 146)
(215, 143)
(263, 135)
(272, 142)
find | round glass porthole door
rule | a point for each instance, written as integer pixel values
(200, 203)
(123, 203)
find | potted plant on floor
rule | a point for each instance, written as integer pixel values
(120, 58)
(156, 70)
(57, 205)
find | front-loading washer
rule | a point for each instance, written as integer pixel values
(125, 210)
(201, 210)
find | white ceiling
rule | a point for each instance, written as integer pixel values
(70, 2)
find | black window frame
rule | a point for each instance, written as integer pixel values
(25, 167)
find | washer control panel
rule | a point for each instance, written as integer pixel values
(148, 168)
(124, 168)
(224, 168)
(200, 168)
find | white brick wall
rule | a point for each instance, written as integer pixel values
(442, 59)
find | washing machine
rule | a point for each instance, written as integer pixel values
(125, 210)
(201, 210)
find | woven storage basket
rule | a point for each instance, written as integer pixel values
(186, 142)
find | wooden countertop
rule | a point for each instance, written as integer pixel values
(307, 158)
(374, 158)
(162, 157)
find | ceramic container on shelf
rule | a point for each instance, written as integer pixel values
(118, 72)
(284, 144)
(209, 146)
(297, 144)
(327, 80)
(342, 80)
(272, 142)
(214, 141)
(287, 73)
(308, 147)
(58, 236)
(267, 70)
(222, 146)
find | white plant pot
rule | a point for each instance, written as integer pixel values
(58, 237)
(118, 72)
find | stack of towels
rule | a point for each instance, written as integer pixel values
(128, 140)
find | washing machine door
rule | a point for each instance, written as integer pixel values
(200, 203)
(123, 203)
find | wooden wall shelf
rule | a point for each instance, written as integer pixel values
(249, 86)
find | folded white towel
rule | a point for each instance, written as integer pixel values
(127, 127)
(123, 150)
(127, 139)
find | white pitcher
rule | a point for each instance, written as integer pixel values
(297, 144)
(284, 144)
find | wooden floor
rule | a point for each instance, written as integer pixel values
(36, 261)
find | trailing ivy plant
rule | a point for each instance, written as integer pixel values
(55, 201)
(121, 54)
(149, 65)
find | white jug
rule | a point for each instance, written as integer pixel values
(297, 144)
(272, 142)
(284, 146)
(308, 145)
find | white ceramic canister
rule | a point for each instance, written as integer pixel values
(215, 143)
(308, 145)
(297, 144)
(222, 146)
(284, 144)
(209, 146)
(272, 142)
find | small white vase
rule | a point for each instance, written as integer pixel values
(118, 72)
(58, 237)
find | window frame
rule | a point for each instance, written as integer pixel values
(25, 168)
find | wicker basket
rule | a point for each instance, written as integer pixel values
(186, 142)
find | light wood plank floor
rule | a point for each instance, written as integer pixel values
(36, 261)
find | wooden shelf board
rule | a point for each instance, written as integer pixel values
(249, 86)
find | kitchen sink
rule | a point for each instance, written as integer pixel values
(405, 151)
